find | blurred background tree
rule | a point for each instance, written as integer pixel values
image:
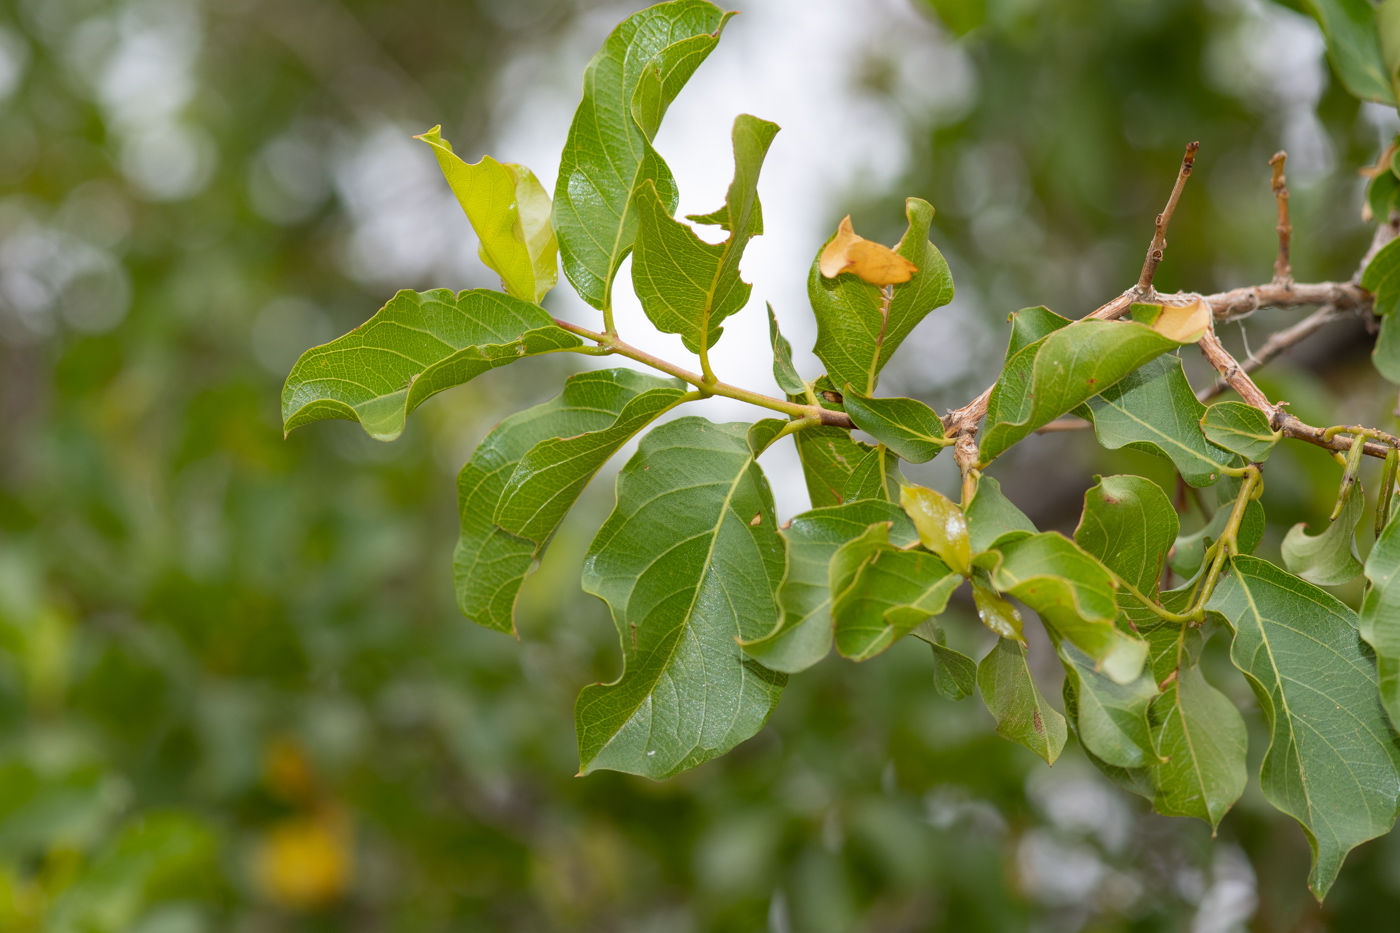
(235, 693)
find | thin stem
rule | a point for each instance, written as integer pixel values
(1159, 236)
(801, 424)
(1157, 609)
(612, 344)
(1278, 342)
(1283, 271)
(1228, 545)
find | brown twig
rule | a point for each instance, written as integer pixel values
(1283, 271)
(1159, 237)
(1277, 343)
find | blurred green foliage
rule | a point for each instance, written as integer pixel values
(234, 690)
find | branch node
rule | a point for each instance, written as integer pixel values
(1159, 236)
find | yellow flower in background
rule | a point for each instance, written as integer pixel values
(305, 862)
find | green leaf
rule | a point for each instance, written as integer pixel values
(1329, 558)
(1023, 715)
(1030, 325)
(1241, 428)
(803, 634)
(1072, 593)
(854, 338)
(880, 592)
(876, 476)
(1333, 762)
(1379, 620)
(829, 456)
(689, 562)
(1382, 278)
(594, 415)
(1354, 47)
(510, 212)
(549, 478)
(941, 525)
(1383, 195)
(687, 286)
(908, 427)
(1129, 525)
(1153, 409)
(1385, 356)
(954, 673)
(784, 373)
(627, 87)
(991, 517)
(1067, 368)
(997, 614)
(417, 345)
(1110, 718)
(1196, 729)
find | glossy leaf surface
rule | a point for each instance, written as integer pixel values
(854, 338)
(1333, 762)
(417, 345)
(880, 592)
(689, 563)
(941, 525)
(627, 87)
(1065, 369)
(803, 634)
(906, 426)
(1241, 428)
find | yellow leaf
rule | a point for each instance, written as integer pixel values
(1183, 323)
(876, 264)
(941, 525)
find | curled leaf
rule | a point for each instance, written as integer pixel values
(1183, 323)
(876, 264)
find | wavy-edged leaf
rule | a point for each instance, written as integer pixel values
(627, 87)
(954, 673)
(417, 345)
(687, 286)
(1241, 428)
(992, 518)
(1333, 762)
(876, 476)
(784, 372)
(829, 456)
(906, 426)
(854, 339)
(1379, 621)
(689, 563)
(1022, 713)
(1153, 409)
(1067, 368)
(1354, 47)
(1328, 558)
(1129, 525)
(595, 414)
(510, 212)
(549, 478)
(803, 634)
(1074, 594)
(879, 592)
